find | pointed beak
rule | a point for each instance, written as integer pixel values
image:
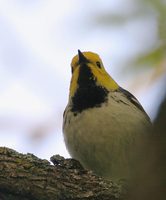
(81, 57)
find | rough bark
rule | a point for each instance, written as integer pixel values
(25, 177)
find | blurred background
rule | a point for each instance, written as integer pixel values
(38, 39)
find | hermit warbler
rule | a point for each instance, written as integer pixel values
(104, 125)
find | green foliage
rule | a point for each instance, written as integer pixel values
(157, 56)
(152, 58)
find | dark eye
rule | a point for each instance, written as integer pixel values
(98, 64)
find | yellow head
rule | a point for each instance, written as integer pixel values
(88, 67)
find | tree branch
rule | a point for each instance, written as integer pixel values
(27, 177)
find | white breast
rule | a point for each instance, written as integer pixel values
(107, 138)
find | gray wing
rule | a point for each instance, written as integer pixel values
(133, 100)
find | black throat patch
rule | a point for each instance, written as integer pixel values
(88, 95)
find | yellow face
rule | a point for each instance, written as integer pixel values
(94, 63)
(92, 57)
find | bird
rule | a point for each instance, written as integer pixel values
(105, 127)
